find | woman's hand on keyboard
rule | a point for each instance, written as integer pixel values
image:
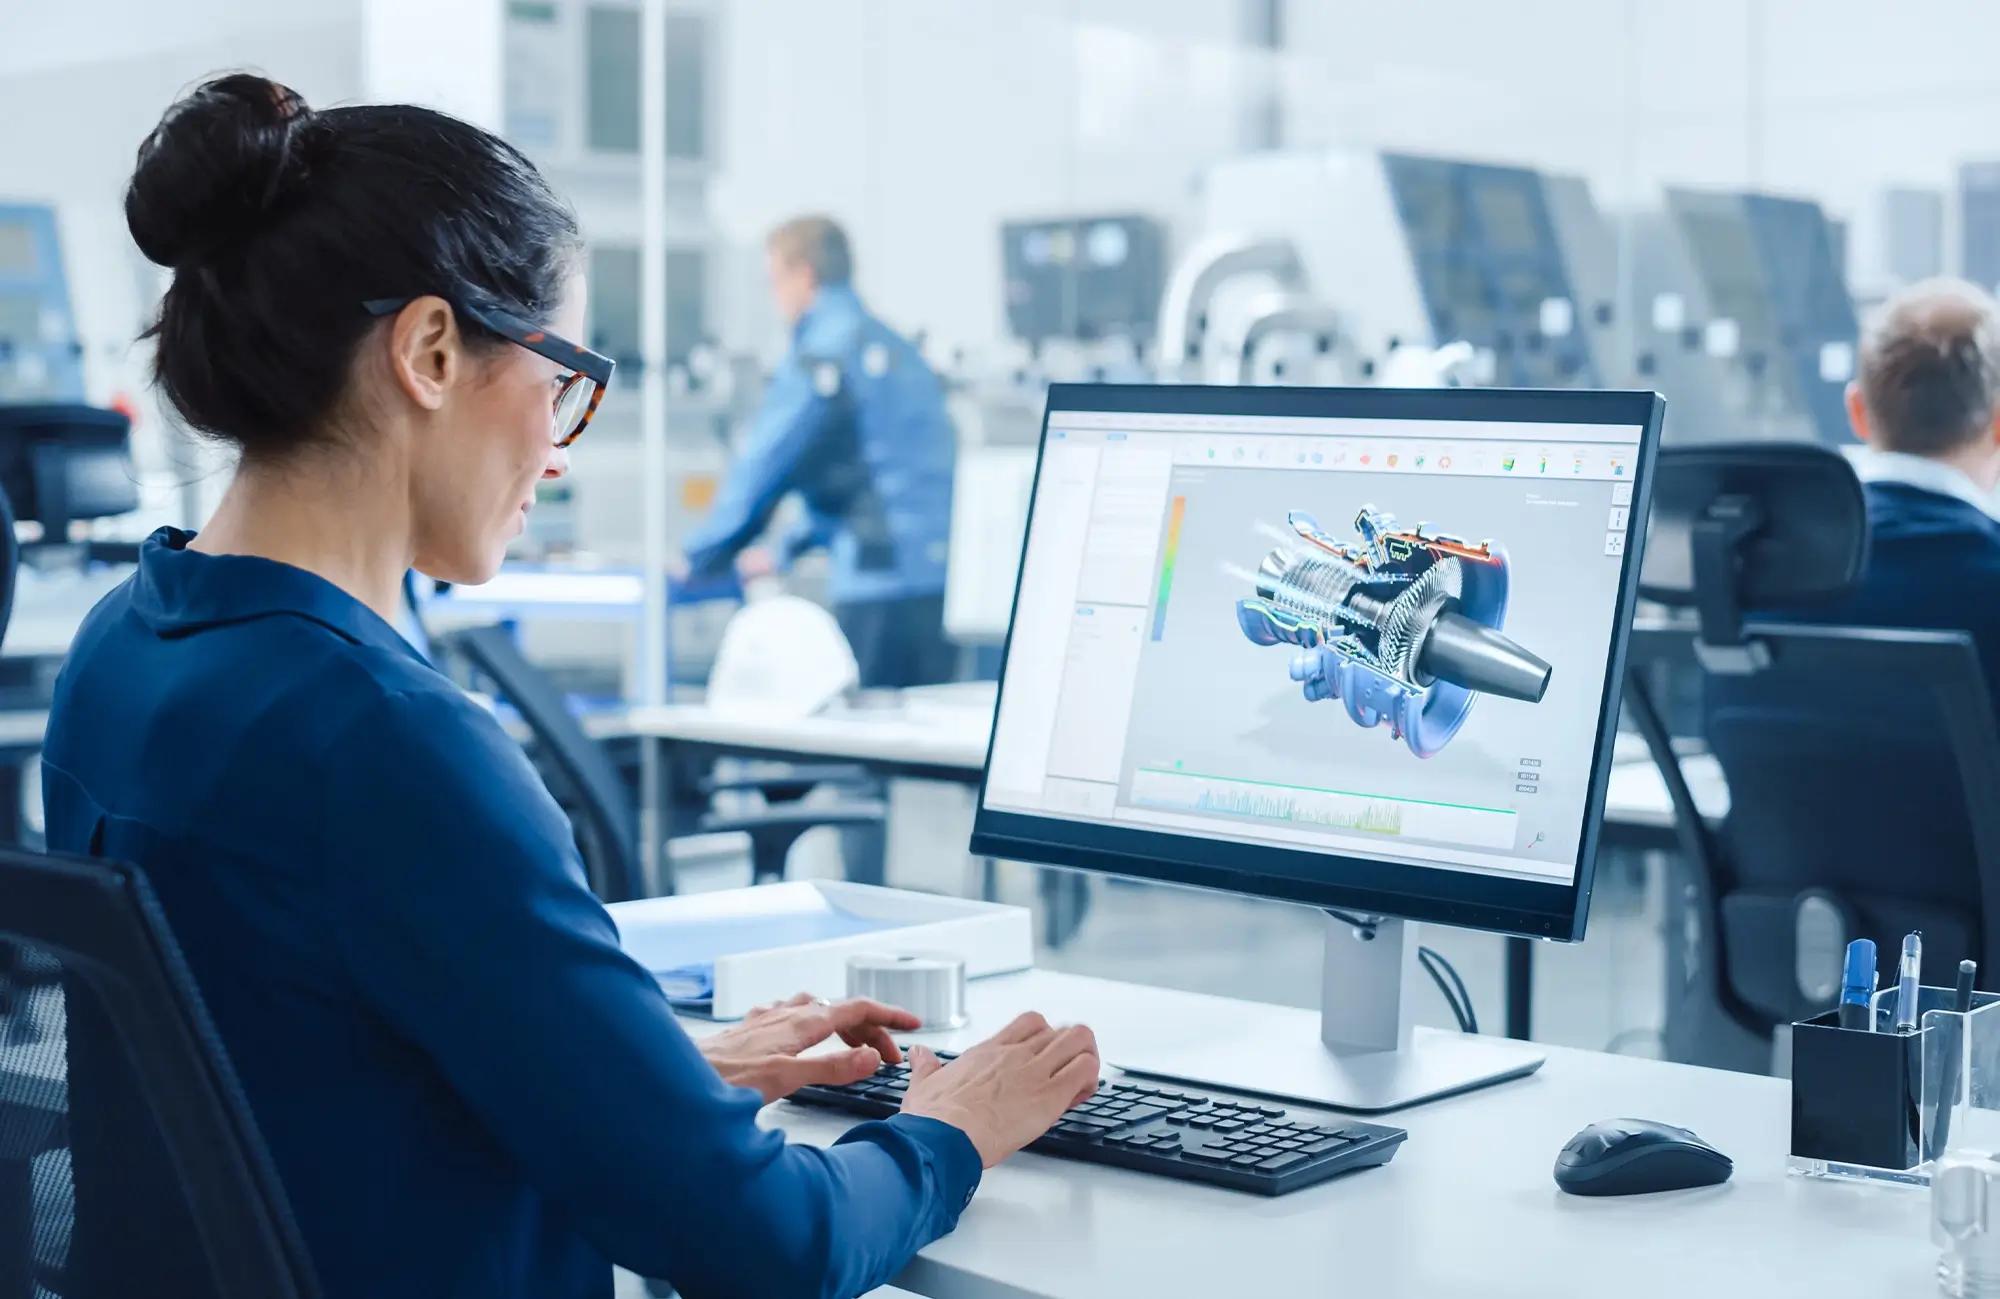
(763, 1051)
(1009, 1089)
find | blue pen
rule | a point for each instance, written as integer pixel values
(1857, 986)
(1906, 983)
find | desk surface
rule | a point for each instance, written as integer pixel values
(23, 728)
(1467, 1207)
(949, 730)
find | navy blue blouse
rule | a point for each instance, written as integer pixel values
(468, 1088)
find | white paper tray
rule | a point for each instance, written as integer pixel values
(768, 942)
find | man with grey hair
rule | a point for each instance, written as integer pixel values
(854, 425)
(1926, 406)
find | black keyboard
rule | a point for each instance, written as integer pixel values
(1194, 1136)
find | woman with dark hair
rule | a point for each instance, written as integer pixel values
(467, 1087)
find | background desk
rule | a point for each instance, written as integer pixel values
(943, 736)
(1468, 1206)
(942, 732)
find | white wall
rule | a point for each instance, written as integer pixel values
(79, 89)
(924, 123)
(1834, 99)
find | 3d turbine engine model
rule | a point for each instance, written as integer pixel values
(1401, 626)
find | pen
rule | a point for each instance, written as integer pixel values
(1906, 983)
(1951, 1065)
(1857, 986)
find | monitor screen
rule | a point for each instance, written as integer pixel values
(1082, 277)
(1355, 647)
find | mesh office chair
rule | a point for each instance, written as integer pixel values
(589, 783)
(129, 1161)
(1861, 763)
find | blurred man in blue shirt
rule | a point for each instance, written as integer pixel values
(1926, 405)
(854, 424)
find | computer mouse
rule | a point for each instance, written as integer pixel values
(1635, 1156)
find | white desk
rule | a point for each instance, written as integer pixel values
(1467, 1207)
(48, 607)
(23, 728)
(945, 734)
(954, 741)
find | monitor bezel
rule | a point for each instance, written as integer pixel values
(1466, 899)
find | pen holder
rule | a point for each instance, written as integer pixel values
(1880, 1106)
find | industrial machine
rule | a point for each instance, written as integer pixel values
(41, 354)
(1082, 277)
(1344, 266)
(1748, 327)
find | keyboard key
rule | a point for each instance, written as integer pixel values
(1140, 1113)
(1247, 1161)
(1321, 1147)
(1202, 1121)
(1270, 1113)
(1205, 1156)
(1282, 1162)
(1229, 1125)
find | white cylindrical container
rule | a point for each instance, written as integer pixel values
(930, 985)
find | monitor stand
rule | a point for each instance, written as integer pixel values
(1369, 1057)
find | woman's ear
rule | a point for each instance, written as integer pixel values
(426, 351)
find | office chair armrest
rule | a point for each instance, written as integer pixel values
(793, 817)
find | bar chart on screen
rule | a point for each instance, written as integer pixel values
(1178, 790)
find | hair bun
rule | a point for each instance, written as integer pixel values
(220, 163)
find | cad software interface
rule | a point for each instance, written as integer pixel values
(1377, 638)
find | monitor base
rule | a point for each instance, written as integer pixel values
(1369, 1058)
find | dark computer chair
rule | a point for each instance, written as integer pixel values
(61, 464)
(1861, 763)
(601, 804)
(10, 563)
(129, 1160)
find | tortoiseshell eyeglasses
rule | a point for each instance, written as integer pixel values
(577, 394)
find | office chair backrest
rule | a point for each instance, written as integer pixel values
(66, 462)
(1846, 761)
(610, 831)
(1860, 762)
(129, 1161)
(10, 563)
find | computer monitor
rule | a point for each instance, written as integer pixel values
(1083, 277)
(989, 516)
(1354, 648)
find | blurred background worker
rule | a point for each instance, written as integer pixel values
(854, 423)
(1927, 407)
